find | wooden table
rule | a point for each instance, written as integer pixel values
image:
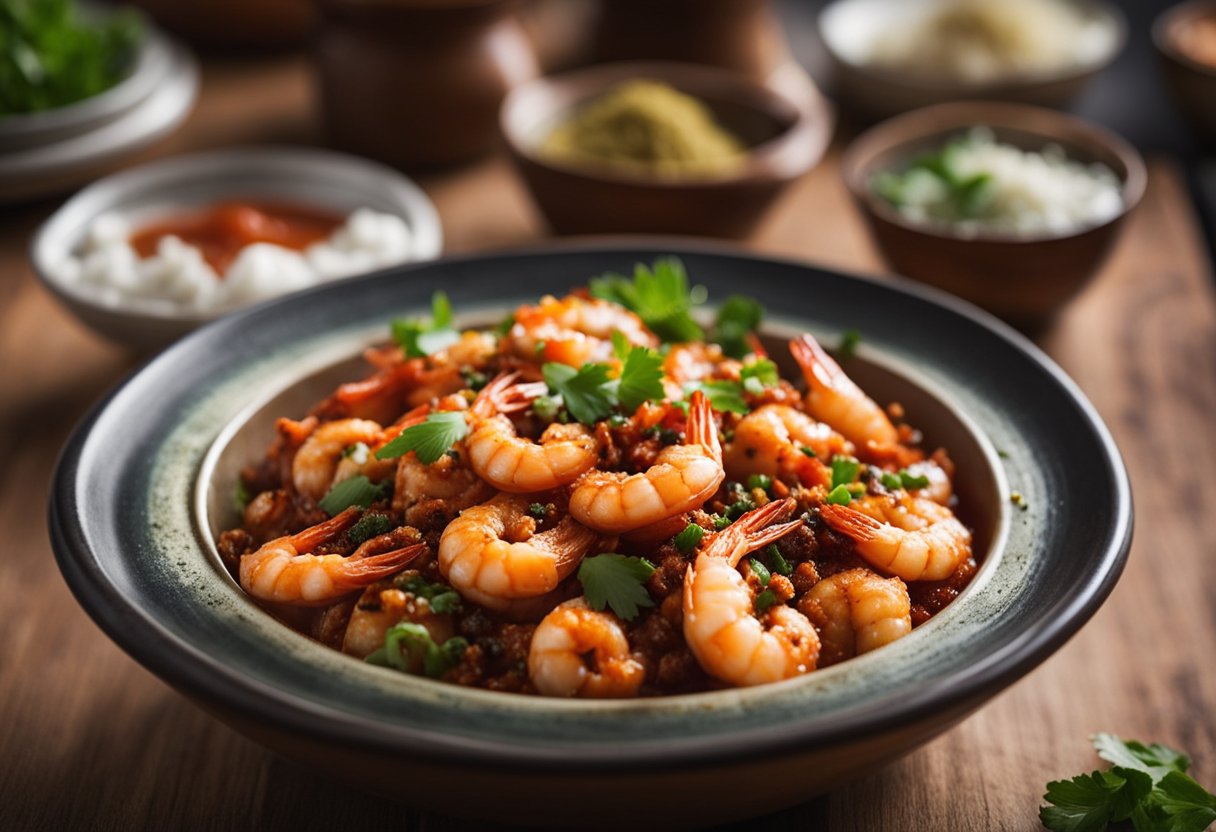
(87, 737)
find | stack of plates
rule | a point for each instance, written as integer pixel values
(52, 151)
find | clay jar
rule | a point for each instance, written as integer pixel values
(417, 83)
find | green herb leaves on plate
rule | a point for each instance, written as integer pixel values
(52, 54)
(657, 294)
(356, 491)
(419, 338)
(1146, 785)
(616, 581)
(430, 439)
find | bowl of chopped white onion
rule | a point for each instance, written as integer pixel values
(146, 255)
(1009, 206)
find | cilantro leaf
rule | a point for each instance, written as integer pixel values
(356, 491)
(738, 318)
(420, 338)
(641, 378)
(659, 295)
(1088, 802)
(616, 581)
(429, 440)
(722, 395)
(1185, 805)
(587, 391)
(1155, 760)
(759, 374)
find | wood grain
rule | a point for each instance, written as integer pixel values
(91, 739)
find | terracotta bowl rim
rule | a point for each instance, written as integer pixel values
(1163, 38)
(812, 124)
(940, 120)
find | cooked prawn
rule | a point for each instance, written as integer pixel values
(285, 572)
(682, 478)
(771, 440)
(720, 624)
(509, 462)
(834, 398)
(578, 651)
(381, 606)
(492, 555)
(912, 538)
(573, 330)
(316, 462)
(856, 612)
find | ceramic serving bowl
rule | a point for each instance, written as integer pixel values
(146, 483)
(849, 29)
(1191, 82)
(786, 135)
(1023, 279)
(328, 180)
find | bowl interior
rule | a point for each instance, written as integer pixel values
(894, 144)
(326, 180)
(979, 483)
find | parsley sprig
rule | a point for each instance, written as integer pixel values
(1147, 785)
(420, 337)
(355, 491)
(430, 439)
(658, 294)
(738, 317)
(616, 581)
(591, 394)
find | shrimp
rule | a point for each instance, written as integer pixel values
(912, 538)
(381, 606)
(492, 555)
(834, 398)
(316, 463)
(513, 463)
(573, 330)
(856, 612)
(577, 651)
(771, 440)
(721, 629)
(682, 478)
(285, 572)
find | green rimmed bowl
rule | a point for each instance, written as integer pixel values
(146, 482)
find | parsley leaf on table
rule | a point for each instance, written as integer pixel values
(420, 338)
(658, 294)
(429, 440)
(616, 581)
(1147, 785)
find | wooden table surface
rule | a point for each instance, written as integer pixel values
(89, 738)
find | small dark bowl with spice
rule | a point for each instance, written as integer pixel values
(1025, 278)
(781, 138)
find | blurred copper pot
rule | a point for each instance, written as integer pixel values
(244, 24)
(418, 82)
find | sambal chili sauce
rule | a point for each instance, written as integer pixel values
(223, 229)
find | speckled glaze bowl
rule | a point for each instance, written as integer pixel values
(147, 480)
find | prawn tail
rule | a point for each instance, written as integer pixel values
(701, 428)
(363, 571)
(314, 536)
(850, 522)
(489, 399)
(818, 368)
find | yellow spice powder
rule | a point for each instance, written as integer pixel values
(646, 126)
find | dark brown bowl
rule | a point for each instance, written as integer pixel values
(786, 137)
(1191, 83)
(1025, 280)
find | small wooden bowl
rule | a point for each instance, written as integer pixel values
(786, 137)
(1192, 84)
(1025, 280)
(848, 27)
